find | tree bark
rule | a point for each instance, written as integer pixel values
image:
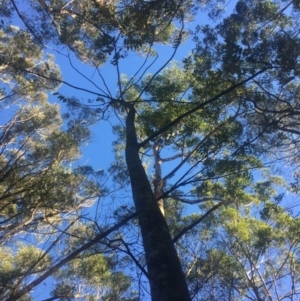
(167, 281)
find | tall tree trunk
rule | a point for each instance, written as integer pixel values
(167, 282)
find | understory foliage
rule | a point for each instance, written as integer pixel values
(200, 201)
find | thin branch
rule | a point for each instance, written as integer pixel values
(45, 6)
(193, 202)
(129, 84)
(172, 173)
(25, 22)
(53, 79)
(198, 221)
(117, 65)
(103, 81)
(80, 73)
(173, 157)
(160, 69)
(128, 251)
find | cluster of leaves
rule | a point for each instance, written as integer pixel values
(93, 28)
(25, 73)
(257, 36)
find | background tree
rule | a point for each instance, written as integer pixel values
(41, 196)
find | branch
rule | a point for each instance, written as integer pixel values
(85, 77)
(193, 202)
(128, 251)
(190, 154)
(70, 257)
(198, 221)
(25, 22)
(53, 79)
(173, 157)
(130, 83)
(160, 69)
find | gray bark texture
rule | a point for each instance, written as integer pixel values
(167, 281)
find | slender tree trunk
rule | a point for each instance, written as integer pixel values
(167, 282)
(158, 183)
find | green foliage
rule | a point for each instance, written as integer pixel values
(92, 29)
(26, 262)
(94, 278)
(33, 167)
(18, 54)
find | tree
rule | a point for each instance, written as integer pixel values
(40, 195)
(232, 108)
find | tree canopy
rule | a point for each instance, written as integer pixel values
(200, 199)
